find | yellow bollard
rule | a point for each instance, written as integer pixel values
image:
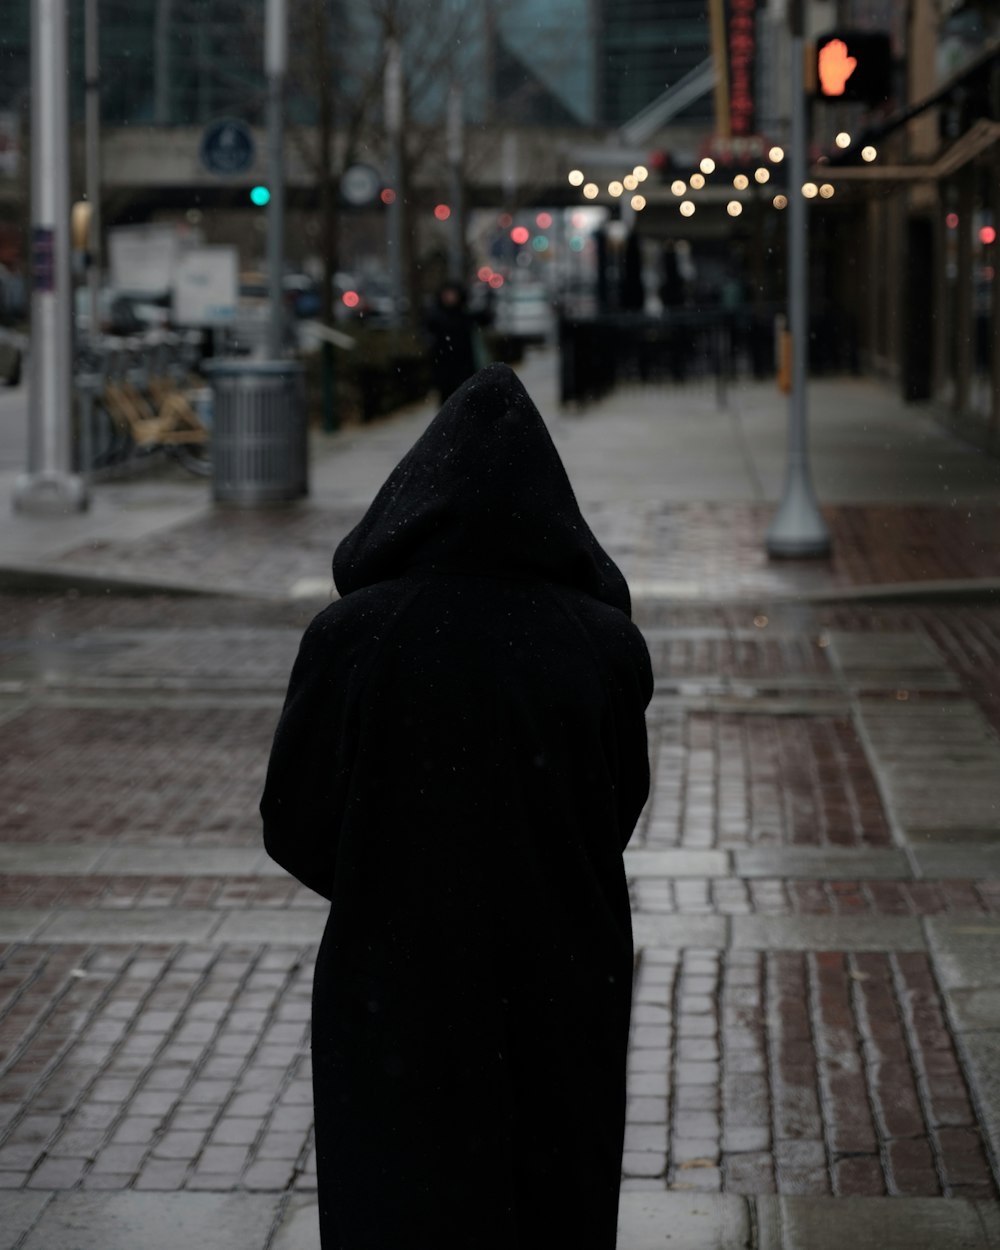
(785, 362)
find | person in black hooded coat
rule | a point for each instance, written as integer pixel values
(459, 764)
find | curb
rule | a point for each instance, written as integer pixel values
(958, 589)
(57, 579)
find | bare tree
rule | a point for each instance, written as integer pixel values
(338, 65)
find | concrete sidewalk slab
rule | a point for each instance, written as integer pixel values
(672, 1221)
(822, 863)
(791, 1223)
(130, 1220)
(675, 932)
(676, 863)
(18, 1213)
(966, 951)
(827, 933)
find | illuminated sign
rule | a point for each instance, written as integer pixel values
(741, 22)
(854, 65)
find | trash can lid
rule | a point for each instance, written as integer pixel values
(239, 367)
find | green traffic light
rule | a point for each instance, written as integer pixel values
(260, 196)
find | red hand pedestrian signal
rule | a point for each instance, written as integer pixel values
(835, 67)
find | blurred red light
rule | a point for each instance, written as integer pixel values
(520, 234)
(485, 274)
(388, 196)
(951, 221)
(351, 298)
(987, 235)
(496, 281)
(543, 221)
(442, 212)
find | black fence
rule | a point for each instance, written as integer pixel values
(597, 353)
(600, 352)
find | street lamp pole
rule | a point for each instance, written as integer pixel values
(49, 484)
(275, 65)
(798, 528)
(393, 107)
(93, 163)
(456, 157)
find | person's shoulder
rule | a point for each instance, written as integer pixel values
(357, 618)
(612, 630)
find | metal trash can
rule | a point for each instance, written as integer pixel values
(259, 434)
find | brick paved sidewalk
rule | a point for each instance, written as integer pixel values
(817, 931)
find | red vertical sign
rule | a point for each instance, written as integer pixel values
(741, 47)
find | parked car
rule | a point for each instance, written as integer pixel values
(123, 312)
(523, 310)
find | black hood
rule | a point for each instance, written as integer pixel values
(482, 489)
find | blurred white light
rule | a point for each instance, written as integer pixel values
(826, 191)
(697, 181)
(741, 182)
(575, 177)
(707, 165)
(678, 186)
(868, 153)
(810, 190)
(641, 173)
(762, 175)
(615, 188)
(591, 190)
(734, 208)
(780, 201)
(630, 182)
(638, 202)
(776, 154)
(687, 208)
(843, 140)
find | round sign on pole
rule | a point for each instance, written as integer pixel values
(360, 184)
(227, 147)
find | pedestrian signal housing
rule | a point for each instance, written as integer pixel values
(854, 65)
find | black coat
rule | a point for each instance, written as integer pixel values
(460, 761)
(453, 354)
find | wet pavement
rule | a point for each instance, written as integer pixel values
(815, 883)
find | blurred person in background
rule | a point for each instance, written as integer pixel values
(455, 341)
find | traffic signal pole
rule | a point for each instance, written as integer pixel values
(49, 484)
(798, 528)
(275, 64)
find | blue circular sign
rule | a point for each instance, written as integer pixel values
(227, 147)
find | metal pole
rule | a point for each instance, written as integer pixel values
(49, 483)
(275, 64)
(93, 172)
(456, 157)
(393, 105)
(798, 528)
(161, 67)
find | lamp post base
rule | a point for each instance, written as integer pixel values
(50, 493)
(798, 530)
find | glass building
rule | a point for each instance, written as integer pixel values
(527, 62)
